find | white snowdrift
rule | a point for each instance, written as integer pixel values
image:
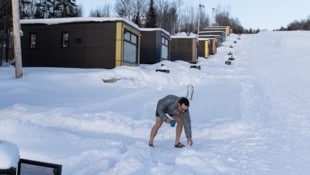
(251, 117)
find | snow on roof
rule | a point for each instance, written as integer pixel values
(184, 35)
(216, 27)
(203, 39)
(209, 35)
(54, 21)
(212, 31)
(9, 155)
(155, 29)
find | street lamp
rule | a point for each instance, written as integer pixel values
(199, 14)
(212, 21)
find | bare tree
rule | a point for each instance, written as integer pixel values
(236, 26)
(139, 11)
(223, 19)
(170, 14)
(179, 13)
(188, 19)
(124, 8)
(133, 10)
(203, 18)
(299, 25)
(167, 15)
(105, 11)
(160, 5)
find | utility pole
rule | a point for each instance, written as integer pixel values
(16, 35)
(199, 14)
(212, 21)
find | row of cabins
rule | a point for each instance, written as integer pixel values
(104, 43)
(213, 37)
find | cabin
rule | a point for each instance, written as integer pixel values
(207, 47)
(212, 46)
(203, 47)
(216, 38)
(225, 29)
(221, 34)
(184, 48)
(155, 43)
(80, 42)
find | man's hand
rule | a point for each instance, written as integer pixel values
(189, 141)
(167, 120)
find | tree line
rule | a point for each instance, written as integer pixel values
(303, 24)
(171, 15)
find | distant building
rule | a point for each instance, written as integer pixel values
(80, 42)
(184, 48)
(155, 43)
(203, 47)
(226, 29)
(211, 43)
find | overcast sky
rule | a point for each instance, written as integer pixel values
(262, 14)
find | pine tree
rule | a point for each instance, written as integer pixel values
(56, 9)
(5, 25)
(137, 19)
(151, 16)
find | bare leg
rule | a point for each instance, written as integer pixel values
(155, 128)
(178, 129)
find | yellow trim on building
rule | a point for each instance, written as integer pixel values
(194, 49)
(206, 49)
(119, 44)
(138, 34)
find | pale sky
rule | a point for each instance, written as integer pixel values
(262, 14)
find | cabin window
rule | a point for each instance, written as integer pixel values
(127, 36)
(164, 48)
(130, 47)
(33, 40)
(65, 40)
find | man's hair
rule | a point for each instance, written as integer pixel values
(184, 101)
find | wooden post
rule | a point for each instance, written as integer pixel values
(17, 43)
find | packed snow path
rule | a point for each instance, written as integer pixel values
(248, 118)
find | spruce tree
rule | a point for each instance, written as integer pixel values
(151, 16)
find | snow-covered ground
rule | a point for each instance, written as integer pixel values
(251, 117)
